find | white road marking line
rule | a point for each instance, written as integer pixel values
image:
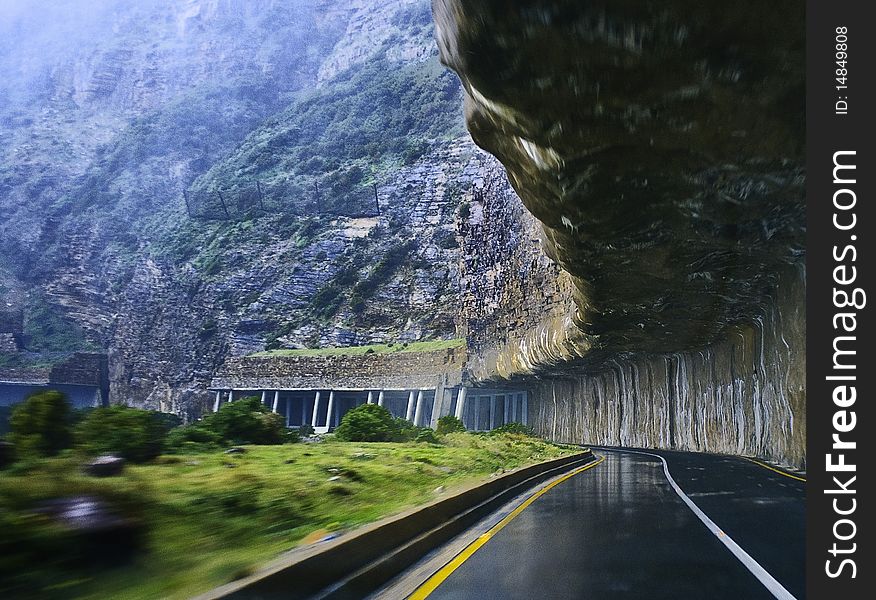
(768, 581)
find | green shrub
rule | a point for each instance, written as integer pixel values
(246, 421)
(449, 424)
(367, 423)
(193, 438)
(134, 434)
(516, 428)
(404, 430)
(42, 424)
(305, 430)
(425, 435)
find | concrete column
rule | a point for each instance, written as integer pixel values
(440, 405)
(276, 401)
(264, 397)
(315, 409)
(525, 408)
(460, 405)
(231, 395)
(331, 406)
(418, 415)
(370, 397)
(478, 413)
(507, 403)
(288, 412)
(514, 408)
(380, 398)
(409, 412)
(218, 401)
(493, 411)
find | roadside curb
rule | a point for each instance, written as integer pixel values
(357, 564)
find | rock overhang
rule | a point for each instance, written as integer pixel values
(660, 145)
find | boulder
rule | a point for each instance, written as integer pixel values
(82, 514)
(106, 465)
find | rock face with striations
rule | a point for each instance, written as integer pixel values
(660, 145)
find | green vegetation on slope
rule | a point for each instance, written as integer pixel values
(46, 329)
(205, 519)
(339, 137)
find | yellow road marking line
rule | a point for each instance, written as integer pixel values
(774, 470)
(438, 578)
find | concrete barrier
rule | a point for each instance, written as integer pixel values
(357, 564)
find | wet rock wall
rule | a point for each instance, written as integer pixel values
(660, 145)
(745, 395)
(516, 305)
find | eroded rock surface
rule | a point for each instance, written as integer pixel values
(660, 145)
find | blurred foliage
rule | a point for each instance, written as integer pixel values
(374, 423)
(210, 517)
(5, 413)
(405, 430)
(426, 435)
(41, 425)
(192, 438)
(246, 421)
(44, 557)
(134, 434)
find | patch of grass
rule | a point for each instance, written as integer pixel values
(429, 346)
(211, 517)
(33, 360)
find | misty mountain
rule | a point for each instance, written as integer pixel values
(184, 180)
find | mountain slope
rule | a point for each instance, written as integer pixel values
(119, 142)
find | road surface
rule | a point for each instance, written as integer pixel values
(620, 530)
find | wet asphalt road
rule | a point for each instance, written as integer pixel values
(619, 530)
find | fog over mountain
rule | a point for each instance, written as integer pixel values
(116, 113)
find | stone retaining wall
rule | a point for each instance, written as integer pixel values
(401, 370)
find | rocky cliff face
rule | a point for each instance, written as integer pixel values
(112, 114)
(743, 394)
(660, 146)
(516, 306)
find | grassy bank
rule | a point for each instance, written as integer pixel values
(210, 518)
